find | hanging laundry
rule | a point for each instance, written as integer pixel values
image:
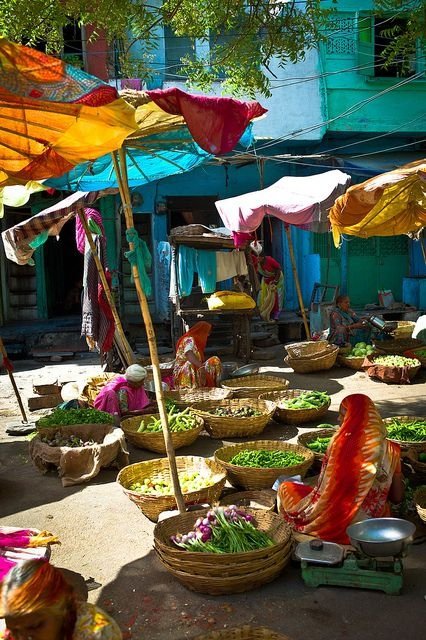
(230, 264)
(164, 260)
(186, 270)
(206, 268)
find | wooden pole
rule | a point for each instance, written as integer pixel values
(119, 160)
(129, 355)
(12, 380)
(296, 280)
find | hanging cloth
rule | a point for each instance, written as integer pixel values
(164, 261)
(186, 270)
(206, 267)
(140, 257)
(230, 264)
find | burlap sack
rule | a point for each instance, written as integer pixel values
(390, 375)
(81, 464)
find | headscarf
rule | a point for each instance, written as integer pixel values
(135, 373)
(199, 333)
(356, 453)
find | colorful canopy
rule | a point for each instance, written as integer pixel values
(390, 204)
(302, 201)
(54, 116)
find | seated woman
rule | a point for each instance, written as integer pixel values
(270, 298)
(345, 326)
(39, 604)
(124, 394)
(191, 370)
(360, 471)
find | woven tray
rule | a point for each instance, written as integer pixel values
(398, 346)
(322, 362)
(235, 427)
(307, 349)
(404, 329)
(420, 502)
(188, 397)
(258, 478)
(309, 436)
(262, 499)
(418, 446)
(152, 506)
(294, 416)
(354, 362)
(254, 386)
(155, 441)
(243, 633)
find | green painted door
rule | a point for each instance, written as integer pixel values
(373, 264)
(330, 258)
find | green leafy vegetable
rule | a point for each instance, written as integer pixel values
(266, 459)
(62, 417)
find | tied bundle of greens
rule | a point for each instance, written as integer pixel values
(319, 445)
(306, 400)
(266, 459)
(63, 417)
(224, 530)
(414, 431)
(177, 420)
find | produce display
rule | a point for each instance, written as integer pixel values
(224, 530)
(240, 412)
(64, 417)
(159, 486)
(319, 445)
(266, 459)
(307, 400)
(420, 352)
(414, 431)
(178, 421)
(396, 361)
(59, 440)
(360, 350)
(325, 425)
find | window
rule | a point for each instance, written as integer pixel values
(374, 35)
(176, 48)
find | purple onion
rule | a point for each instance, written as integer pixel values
(205, 537)
(198, 522)
(206, 521)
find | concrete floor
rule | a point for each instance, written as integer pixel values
(104, 536)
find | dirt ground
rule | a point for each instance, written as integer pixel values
(104, 535)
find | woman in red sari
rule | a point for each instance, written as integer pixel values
(360, 471)
(191, 370)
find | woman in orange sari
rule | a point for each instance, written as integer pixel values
(360, 470)
(191, 370)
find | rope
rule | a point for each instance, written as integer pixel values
(140, 258)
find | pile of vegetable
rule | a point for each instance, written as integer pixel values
(224, 530)
(240, 412)
(414, 431)
(319, 445)
(360, 350)
(306, 400)
(420, 352)
(63, 417)
(59, 440)
(159, 486)
(396, 361)
(266, 459)
(178, 421)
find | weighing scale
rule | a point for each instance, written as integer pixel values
(376, 563)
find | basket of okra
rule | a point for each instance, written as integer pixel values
(407, 431)
(317, 441)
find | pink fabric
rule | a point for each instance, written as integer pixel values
(241, 239)
(80, 235)
(16, 538)
(108, 401)
(302, 201)
(215, 123)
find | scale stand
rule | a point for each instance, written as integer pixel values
(326, 563)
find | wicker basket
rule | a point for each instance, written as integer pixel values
(404, 329)
(155, 441)
(254, 386)
(420, 502)
(217, 574)
(307, 349)
(259, 478)
(415, 354)
(232, 426)
(243, 633)
(294, 416)
(188, 397)
(419, 468)
(397, 347)
(321, 362)
(152, 506)
(418, 446)
(305, 438)
(262, 499)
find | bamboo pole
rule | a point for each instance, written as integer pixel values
(129, 355)
(12, 380)
(119, 160)
(296, 280)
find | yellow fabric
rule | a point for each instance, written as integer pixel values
(18, 195)
(390, 204)
(151, 120)
(230, 300)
